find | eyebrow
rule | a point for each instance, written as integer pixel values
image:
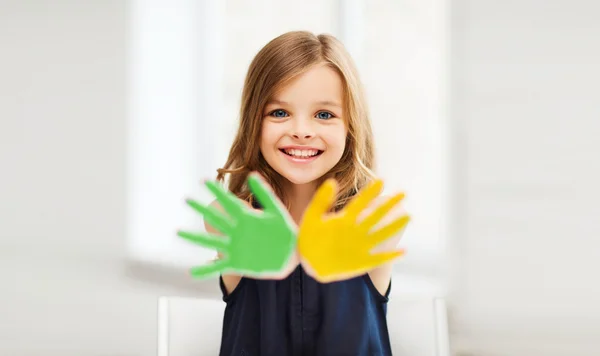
(323, 102)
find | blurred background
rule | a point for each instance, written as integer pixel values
(485, 113)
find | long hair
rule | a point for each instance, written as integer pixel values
(276, 64)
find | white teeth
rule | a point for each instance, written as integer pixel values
(301, 153)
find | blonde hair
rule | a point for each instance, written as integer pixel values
(277, 63)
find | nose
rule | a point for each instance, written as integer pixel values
(302, 129)
(303, 135)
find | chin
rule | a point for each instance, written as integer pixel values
(298, 179)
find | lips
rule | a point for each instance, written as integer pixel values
(301, 152)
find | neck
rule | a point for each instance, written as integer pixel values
(299, 196)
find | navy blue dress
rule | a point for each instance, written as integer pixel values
(299, 316)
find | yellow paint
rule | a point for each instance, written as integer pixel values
(337, 245)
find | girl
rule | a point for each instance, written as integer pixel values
(303, 119)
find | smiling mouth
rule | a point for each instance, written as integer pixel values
(301, 153)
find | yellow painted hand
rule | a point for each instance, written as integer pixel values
(336, 246)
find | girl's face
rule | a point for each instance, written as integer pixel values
(303, 131)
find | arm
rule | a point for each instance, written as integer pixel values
(381, 276)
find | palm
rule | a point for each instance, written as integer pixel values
(256, 243)
(338, 245)
(264, 245)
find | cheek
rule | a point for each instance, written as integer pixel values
(336, 139)
(269, 135)
(265, 135)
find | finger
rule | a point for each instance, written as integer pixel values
(379, 259)
(265, 196)
(215, 218)
(363, 198)
(228, 201)
(388, 231)
(209, 269)
(365, 264)
(322, 200)
(380, 212)
(215, 242)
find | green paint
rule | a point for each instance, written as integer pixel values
(255, 243)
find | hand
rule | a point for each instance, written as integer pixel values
(336, 246)
(256, 243)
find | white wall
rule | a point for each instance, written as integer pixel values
(526, 116)
(65, 288)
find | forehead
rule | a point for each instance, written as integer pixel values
(318, 84)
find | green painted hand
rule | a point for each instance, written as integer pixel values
(256, 243)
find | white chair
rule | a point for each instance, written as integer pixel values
(418, 326)
(192, 327)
